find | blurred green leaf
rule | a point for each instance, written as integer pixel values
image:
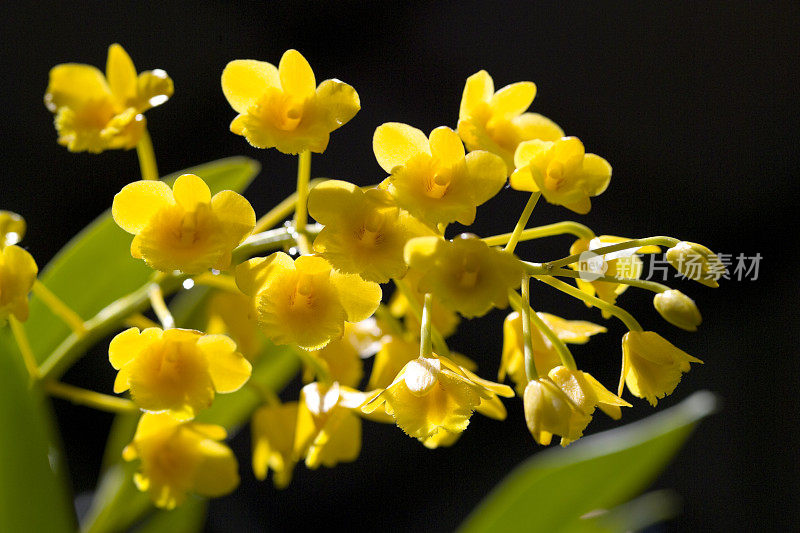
(555, 488)
(33, 493)
(95, 267)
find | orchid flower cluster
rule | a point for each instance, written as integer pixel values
(318, 288)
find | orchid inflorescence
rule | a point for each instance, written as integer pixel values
(327, 302)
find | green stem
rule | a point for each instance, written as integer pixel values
(537, 270)
(618, 312)
(559, 228)
(93, 399)
(18, 330)
(269, 241)
(105, 322)
(425, 344)
(416, 308)
(147, 157)
(633, 243)
(563, 352)
(303, 177)
(530, 362)
(281, 211)
(59, 308)
(522, 222)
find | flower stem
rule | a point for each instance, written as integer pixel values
(425, 344)
(563, 352)
(653, 286)
(413, 304)
(530, 362)
(59, 308)
(89, 398)
(559, 228)
(618, 312)
(268, 241)
(138, 320)
(522, 222)
(634, 243)
(217, 281)
(160, 308)
(147, 157)
(303, 176)
(24, 346)
(281, 212)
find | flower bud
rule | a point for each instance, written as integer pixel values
(549, 411)
(12, 228)
(696, 262)
(678, 309)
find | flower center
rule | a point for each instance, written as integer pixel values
(555, 176)
(436, 186)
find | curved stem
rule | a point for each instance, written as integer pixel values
(559, 228)
(633, 243)
(618, 312)
(530, 362)
(563, 352)
(522, 222)
(269, 241)
(24, 346)
(89, 398)
(537, 270)
(59, 308)
(147, 157)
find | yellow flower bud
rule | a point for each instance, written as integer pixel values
(17, 275)
(678, 309)
(549, 411)
(696, 262)
(12, 228)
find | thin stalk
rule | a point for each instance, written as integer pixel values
(303, 177)
(563, 352)
(416, 308)
(282, 211)
(18, 330)
(93, 399)
(530, 362)
(633, 243)
(535, 270)
(559, 228)
(138, 320)
(425, 343)
(618, 312)
(159, 306)
(147, 157)
(269, 241)
(522, 222)
(59, 308)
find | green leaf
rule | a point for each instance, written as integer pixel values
(33, 497)
(555, 488)
(95, 267)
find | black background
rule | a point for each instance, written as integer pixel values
(694, 105)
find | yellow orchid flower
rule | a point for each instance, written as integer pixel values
(678, 309)
(545, 355)
(549, 411)
(177, 370)
(182, 228)
(433, 394)
(179, 457)
(328, 426)
(305, 302)
(283, 107)
(364, 232)
(273, 429)
(587, 393)
(342, 360)
(623, 263)
(561, 171)
(442, 318)
(434, 179)
(651, 365)
(96, 112)
(496, 121)
(232, 314)
(12, 228)
(465, 274)
(18, 273)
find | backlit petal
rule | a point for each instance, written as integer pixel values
(121, 74)
(136, 204)
(297, 78)
(395, 143)
(513, 99)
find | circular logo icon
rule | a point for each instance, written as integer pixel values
(592, 266)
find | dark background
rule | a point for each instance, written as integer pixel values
(694, 105)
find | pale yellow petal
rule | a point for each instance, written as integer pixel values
(218, 472)
(513, 99)
(446, 146)
(331, 200)
(136, 204)
(359, 298)
(536, 126)
(244, 81)
(597, 174)
(522, 180)
(191, 191)
(339, 100)
(487, 175)
(228, 368)
(528, 150)
(121, 74)
(478, 89)
(235, 213)
(73, 85)
(124, 347)
(297, 78)
(395, 143)
(252, 274)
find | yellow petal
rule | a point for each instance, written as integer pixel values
(297, 78)
(124, 347)
(487, 175)
(73, 85)
(339, 100)
(513, 99)
(492, 407)
(121, 74)
(218, 471)
(574, 331)
(251, 275)
(331, 200)
(446, 146)
(210, 431)
(312, 265)
(395, 143)
(153, 88)
(358, 297)
(228, 368)
(136, 204)
(478, 89)
(235, 214)
(597, 174)
(522, 180)
(244, 81)
(536, 126)
(191, 191)
(528, 150)
(604, 396)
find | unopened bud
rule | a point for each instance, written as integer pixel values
(678, 309)
(696, 262)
